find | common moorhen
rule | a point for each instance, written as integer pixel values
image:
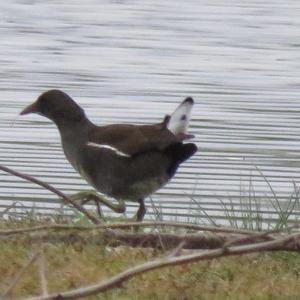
(127, 162)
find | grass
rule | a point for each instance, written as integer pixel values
(257, 276)
(253, 212)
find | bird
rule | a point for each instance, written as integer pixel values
(124, 161)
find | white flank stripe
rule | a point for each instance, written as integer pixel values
(101, 146)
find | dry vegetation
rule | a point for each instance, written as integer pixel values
(75, 264)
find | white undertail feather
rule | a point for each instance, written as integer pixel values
(179, 120)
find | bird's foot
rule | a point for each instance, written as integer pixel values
(92, 195)
(88, 196)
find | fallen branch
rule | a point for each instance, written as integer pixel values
(125, 225)
(164, 241)
(116, 281)
(52, 189)
(168, 240)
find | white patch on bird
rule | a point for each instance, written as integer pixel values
(179, 121)
(104, 146)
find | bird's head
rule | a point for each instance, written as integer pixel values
(56, 106)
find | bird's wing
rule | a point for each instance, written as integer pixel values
(129, 140)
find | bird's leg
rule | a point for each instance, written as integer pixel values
(141, 211)
(98, 207)
(86, 196)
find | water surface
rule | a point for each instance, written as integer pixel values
(133, 62)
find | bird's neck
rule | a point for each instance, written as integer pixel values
(74, 130)
(74, 138)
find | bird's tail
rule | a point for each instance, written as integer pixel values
(178, 122)
(179, 153)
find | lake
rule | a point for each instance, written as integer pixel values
(133, 62)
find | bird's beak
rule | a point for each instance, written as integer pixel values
(32, 108)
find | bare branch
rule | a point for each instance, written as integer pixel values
(261, 235)
(124, 225)
(50, 188)
(196, 241)
(168, 240)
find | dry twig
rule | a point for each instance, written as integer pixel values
(196, 241)
(52, 189)
(124, 225)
